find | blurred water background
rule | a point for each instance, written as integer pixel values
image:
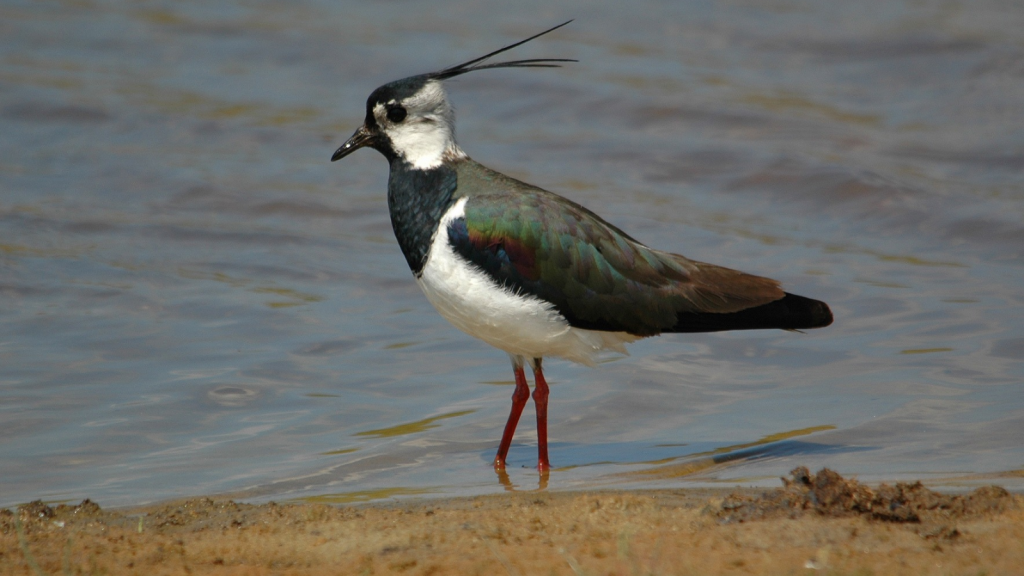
(194, 300)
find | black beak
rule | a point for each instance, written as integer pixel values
(362, 137)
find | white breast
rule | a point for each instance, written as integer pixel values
(516, 323)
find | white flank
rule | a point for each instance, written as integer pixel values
(427, 135)
(518, 324)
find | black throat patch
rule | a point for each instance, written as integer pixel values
(417, 199)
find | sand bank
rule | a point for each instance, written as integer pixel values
(815, 524)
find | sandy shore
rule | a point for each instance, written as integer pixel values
(814, 524)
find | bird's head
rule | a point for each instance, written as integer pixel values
(411, 118)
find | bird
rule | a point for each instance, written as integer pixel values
(533, 273)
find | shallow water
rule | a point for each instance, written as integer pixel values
(194, 300)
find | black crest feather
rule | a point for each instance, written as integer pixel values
(474, 64)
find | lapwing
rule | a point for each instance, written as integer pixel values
(530, 272)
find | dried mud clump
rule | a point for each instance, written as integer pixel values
(37, 515)
(827, 494)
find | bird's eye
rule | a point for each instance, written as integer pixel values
(396, 114)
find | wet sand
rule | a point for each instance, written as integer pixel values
(816, 523)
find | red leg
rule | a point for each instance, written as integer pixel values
(540, 399)
(519, 398)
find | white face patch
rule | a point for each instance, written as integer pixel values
(427, 134)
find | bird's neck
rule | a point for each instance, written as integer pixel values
(417, 199)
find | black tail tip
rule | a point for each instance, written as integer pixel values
(811, 313)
